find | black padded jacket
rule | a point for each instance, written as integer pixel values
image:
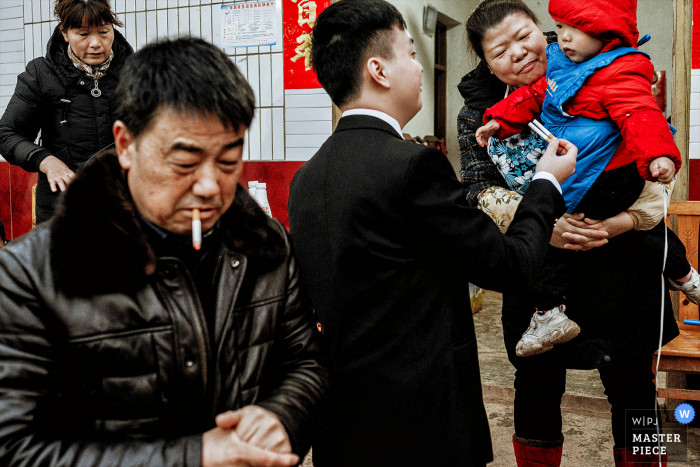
(54, 97)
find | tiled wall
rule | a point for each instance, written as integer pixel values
(288, 125)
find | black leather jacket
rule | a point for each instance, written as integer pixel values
(105, 355)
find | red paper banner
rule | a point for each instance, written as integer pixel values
(299, 17)
(696, 35)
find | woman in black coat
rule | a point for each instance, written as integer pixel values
(68, 95)
(616, 291)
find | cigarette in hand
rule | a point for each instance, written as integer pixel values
(196, 229)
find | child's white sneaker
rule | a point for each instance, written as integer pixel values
(546, 329)
(691, 289)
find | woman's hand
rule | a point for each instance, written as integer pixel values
(485, 132)
(575, 232)
(57, 172)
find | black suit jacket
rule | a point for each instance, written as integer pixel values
(387, 245)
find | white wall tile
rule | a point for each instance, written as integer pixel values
(308, 114)
(172, 3)
(46, 32)
(141, 37)
(183, 3)
(36, 10)
(161, 4)
(12, 57)
(151, 4)
(140, 5)
(216, 25)
(695, 83)
(130, 27)
(695, 134)
(38, 42)
(8, 80)
(694, 152)
(305, 91)
(254, 77)
(151, 26)
(12, 46)
(206, 23)
(13, 69)
(12, 35)
(162, 22)
(120, 7)
(46, 10)
(246, 146)
(308, 100)
(266, 134)
(324, 127)
(305, 141)
(7, 24)
(242, 65)
(277, 79)
(130, 6)
(195, 22)
(28, 11)
(265, 81)
(278, 47)
(300, 154)
(173, 23)
(694, 117)
(278, 134)
(8, 90)
(184, 24)
(12, 12)
(254, 137)
(695, 101)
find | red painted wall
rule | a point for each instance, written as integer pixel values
(16, 192)
(16, 199)
(278, 176)
(694, 164)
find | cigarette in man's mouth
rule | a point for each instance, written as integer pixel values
(196, 229)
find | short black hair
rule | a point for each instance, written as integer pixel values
(346, 34)
(489, 14)
(76, 14)
(187, 75)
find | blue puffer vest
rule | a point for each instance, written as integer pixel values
(596, 140)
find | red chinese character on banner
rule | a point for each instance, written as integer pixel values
(299, 21)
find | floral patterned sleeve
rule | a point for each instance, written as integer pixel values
(478, 172)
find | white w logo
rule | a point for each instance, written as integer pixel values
(684, 413)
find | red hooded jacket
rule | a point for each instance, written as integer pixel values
(621, 91)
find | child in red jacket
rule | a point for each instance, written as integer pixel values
(596, 94)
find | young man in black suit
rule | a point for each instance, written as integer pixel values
(387, 244)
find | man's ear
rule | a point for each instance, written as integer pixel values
(377, 69)
(123, 143)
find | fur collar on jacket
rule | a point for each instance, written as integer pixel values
(98, 245)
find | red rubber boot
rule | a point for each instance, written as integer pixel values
(535, 453)
(625, 458)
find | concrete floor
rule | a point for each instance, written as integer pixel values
(586, 418)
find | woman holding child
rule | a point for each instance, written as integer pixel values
(612, 289)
